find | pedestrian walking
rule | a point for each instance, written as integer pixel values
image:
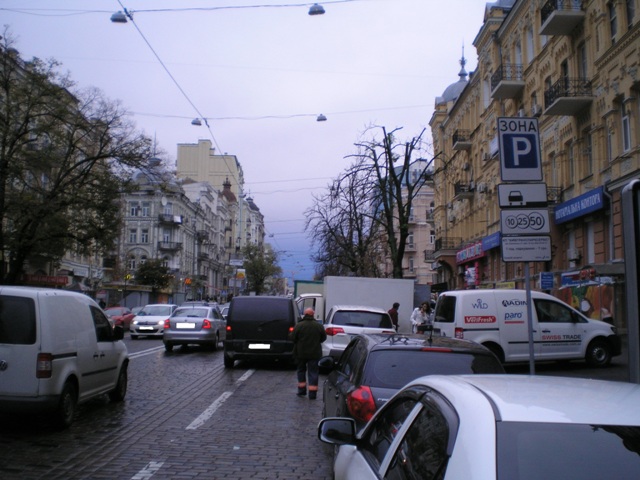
(420, 316)
(308, 336)
(393, 313)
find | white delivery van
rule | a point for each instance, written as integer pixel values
(57, 349)
(498, 320)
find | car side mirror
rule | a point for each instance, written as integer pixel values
(337, 431)
(327, 363)
(118, 333)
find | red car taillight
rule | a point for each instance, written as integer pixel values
(360, 404)
(331, 331)
(44, 365)
(206, 324)
(167, 324)
(459, 332)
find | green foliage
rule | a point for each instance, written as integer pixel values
(153, 273)
(260, 265)
(65, 156)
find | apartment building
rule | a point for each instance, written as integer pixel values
(572, 65)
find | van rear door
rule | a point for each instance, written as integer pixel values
(19, 339)
(262, 320)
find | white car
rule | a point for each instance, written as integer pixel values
(512, 427)
(345, 321)
(150, 320)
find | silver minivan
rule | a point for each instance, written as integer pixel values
(57, 350)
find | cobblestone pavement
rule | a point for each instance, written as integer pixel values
(185, 416)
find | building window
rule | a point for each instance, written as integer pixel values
(146, 209)
(133, 236)
(613, 21)
(134, 209)
(590, 254)
(432, 237)
(626, 130)
(589, 154)
(518, 54)
(131, 263)
(166, 235)
(144, 236)
(410, 240)
(168, 209)
(631, 12)
(582, 61)
(571, 163)
(411, 265)
(609, 145)
(529, 45)
(165, 262)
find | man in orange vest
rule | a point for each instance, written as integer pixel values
(308, 336)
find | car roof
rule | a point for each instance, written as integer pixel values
(530, 398)
(359, 308)
(404, 341)
(160, 305)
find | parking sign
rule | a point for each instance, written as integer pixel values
(519, 142)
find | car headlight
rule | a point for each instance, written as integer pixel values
(160, 322)
(135, 322)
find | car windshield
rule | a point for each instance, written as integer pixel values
(115, 311)
(362, 319)
(156, 310)
(191, 312)
(528, 451)
(395, 368)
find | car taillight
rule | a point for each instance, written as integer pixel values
(459, 332)
(206, 324)
(389, 331)
(331, 331)
(291, 329)
(167, 324)
(44, 365)
(360, 404)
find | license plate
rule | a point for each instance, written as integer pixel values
(145, 328)
(259, 346)
(185, 325)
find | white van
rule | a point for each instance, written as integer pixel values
(57, 349)
(498, 320)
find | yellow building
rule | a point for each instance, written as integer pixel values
(573, 66)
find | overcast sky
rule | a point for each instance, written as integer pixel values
(261, 75)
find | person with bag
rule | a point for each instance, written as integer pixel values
(307, 337)
(420, 316)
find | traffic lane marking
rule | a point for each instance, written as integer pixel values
(217, 403)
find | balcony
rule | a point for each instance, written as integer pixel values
(462, 140)
(463, 190)
(429, 256)
(430, 217)
(170, 246)
(560, 17)
(410, 247)
(203, 256)
(507, 81)
(568, 96)
(451, 244)
(168, 219)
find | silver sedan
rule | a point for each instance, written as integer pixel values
(194, 325)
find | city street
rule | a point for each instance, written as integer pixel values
(185, 416)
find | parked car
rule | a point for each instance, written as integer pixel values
(494, 427)
(150, 320)
(121, 316)
(196, 325)
(136, 310)
(57, 350)
(224, 309)
(374, 367)
(345, 321)
(259, 327)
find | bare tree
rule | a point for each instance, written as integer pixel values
(65, 156)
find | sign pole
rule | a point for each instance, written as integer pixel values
(532, 363)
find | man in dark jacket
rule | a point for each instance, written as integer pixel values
(308, 336)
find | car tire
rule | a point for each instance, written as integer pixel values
(214, 345)
(168, 347)
(118, 393)
(228, 361)
(67, 405)
(134, 337)
(598, 353)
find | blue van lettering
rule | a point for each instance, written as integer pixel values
(513, 303)
(480, 304)
(512, 315)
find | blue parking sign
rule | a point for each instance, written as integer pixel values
(519, 142)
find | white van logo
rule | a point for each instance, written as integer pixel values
(513, 303)
(480, 305)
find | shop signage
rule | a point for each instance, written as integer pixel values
(579, 206)
(470, 252)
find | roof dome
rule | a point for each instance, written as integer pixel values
(453, 91)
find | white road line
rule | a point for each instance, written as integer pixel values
(206, 415)
(211, 409)
(148, 471)
(142, 353)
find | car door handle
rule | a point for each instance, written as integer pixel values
(96, 355)
(546, 331)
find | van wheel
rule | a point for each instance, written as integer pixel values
(168, 347)
(214, 346)
(118, 393)
(67, 405)
(598, 353)
(228, 361)
(496, 350)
